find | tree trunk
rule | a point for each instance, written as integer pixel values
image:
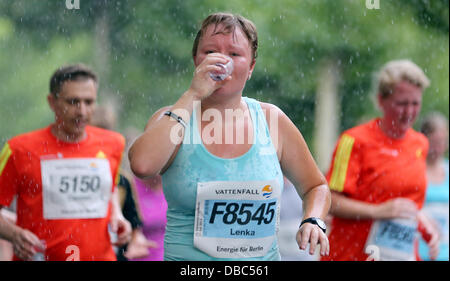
(327, 113)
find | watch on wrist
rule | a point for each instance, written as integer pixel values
(320, 223)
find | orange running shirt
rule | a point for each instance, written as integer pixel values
(370, 167)
(71, 210)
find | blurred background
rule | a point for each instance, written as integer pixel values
(316, 58)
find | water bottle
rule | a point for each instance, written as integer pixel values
(226, 71)
(112, 235)
(40, 252)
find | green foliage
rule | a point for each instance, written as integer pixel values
(148, 52)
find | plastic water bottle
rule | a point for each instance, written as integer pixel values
(112, 234)
(40, 252)
(39, 256)
(226, 71)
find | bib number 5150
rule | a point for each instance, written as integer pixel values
(79, 183)
(243, 213)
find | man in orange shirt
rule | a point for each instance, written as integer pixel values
(377, 175)
(64, 177)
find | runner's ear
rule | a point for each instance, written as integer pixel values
(51, 101)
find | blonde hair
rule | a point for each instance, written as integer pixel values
(432, 122)
(397, 71)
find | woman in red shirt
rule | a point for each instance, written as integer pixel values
(377, 175)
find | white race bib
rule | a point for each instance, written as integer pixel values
(236, 219)
(75, 188)
(394, 239)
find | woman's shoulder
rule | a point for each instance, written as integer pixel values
(276, 117)
(270, 109)
(361, 134)
(266, 105)
(417, 136)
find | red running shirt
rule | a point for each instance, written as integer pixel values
(369, 166)
(66, 233)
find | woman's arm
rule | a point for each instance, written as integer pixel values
(349, 208)
(300, 168)
(153, 151)
(344, 207)
(298, 164)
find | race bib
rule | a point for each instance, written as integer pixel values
(75, 188)
(394, 239)
(236, 219)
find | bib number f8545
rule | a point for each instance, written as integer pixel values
(236, 219)
(243, 213)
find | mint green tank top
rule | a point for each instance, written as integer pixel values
(231, 205)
